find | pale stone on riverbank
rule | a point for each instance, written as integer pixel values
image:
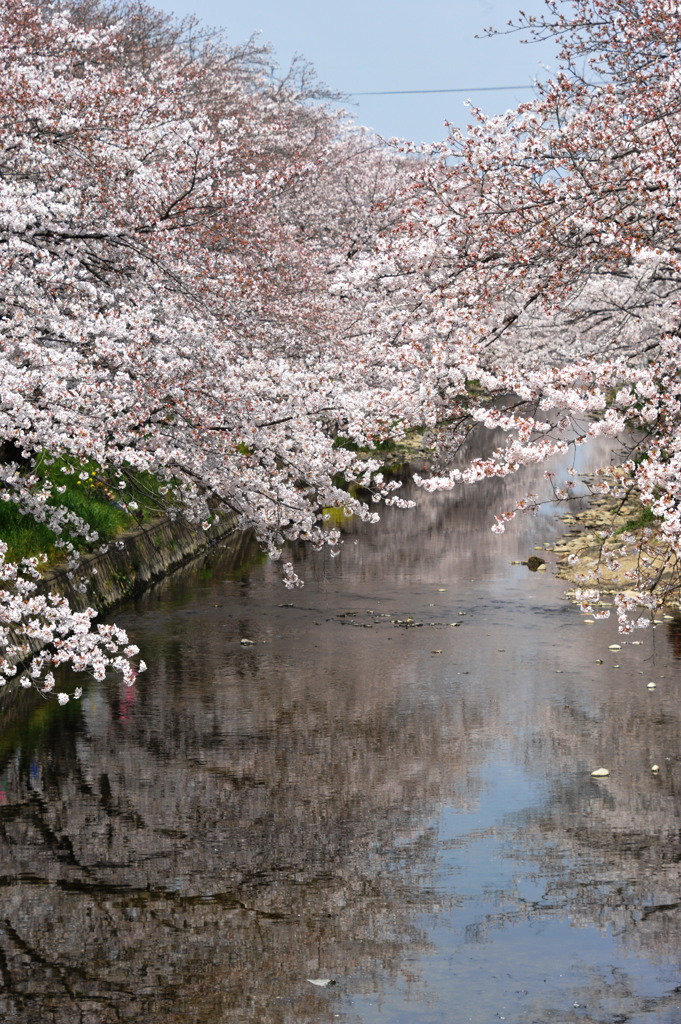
(588, 543)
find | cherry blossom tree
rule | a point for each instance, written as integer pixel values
(171, 218)
(209, 277)
(538, 255)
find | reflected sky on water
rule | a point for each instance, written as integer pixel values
(390, 789)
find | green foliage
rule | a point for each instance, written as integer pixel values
(97, 500)
(347, 444)
(97, 511)
(388, 445)
(645, 517)
(23, 536)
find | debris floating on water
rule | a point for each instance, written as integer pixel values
(600, 773)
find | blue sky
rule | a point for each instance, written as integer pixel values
(366, 45)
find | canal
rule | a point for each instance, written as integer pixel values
(380, 810)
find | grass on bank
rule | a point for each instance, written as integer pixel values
(93, 499)
(98, 499)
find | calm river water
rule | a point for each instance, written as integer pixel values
(390, 790)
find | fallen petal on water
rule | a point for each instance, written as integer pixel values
(600, 773)
(321, 982)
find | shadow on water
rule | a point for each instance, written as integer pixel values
(390, 789)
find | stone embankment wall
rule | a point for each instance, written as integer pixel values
(133, 562)
(136, 560)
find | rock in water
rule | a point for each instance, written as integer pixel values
(534, 563)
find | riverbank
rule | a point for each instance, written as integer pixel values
(593, 543)
(136, 560)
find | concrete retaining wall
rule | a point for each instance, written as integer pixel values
(136, 560)
(133, 562)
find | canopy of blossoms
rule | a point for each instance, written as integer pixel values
(206, 275)
(539, 255)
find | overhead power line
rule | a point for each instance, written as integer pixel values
(415, 92)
